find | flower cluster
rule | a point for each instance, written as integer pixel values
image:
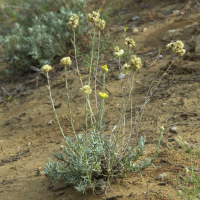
(125, 68)
(103, 95)
(118, 52)
(94, 18)
(135, 63)
(73, 21)
(66, 61)
(104, 68)
(176, 47)
(46, 68)
(130, 42)
(86, 89)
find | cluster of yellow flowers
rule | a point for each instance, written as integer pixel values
(86, 89)
(104, 68)
(103, 95)
(46, 68)
(125, 68)
(94, 18)
(176, 47)
(73, 21)
(133, 65)
(130, 42)
(66, 61)
(118, 52)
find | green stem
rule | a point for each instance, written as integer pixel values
(55, 113)
(61, 130)
(91, 60)
(68, 103)
(97, 67)
(77, 69)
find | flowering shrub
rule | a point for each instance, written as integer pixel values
(89, 160)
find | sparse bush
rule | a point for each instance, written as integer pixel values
(37, 41)
(90, 160)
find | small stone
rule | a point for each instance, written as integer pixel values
(145, 29)
(173, 130)
(135, 30)
(29, 143)
(161, 176)
(175, 11)
(50, 122)
(69, 72)
(135, 18)
(120, 76)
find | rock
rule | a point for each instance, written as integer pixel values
(135, 18)
(120, 76)
(135, 30)
(145, 29)
(161, 176)
(178, 33)
(173, 130)
(172, 34)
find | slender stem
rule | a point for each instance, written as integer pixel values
(77, 69)
(68, 103)
(91, 60)
(86, 124)
(124, 111)
(49, 87)
(72, 150)
(97, 68)
(102, 102)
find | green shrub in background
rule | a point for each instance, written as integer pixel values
(36, 42)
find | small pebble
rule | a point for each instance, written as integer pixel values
(135, 30)
(175, 11)
(50, 122)
(145, 29)
(29, 143)
(173, 130)
(120, 76)
(161, 176)
(135, 18)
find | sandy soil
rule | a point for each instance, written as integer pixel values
(29, 133)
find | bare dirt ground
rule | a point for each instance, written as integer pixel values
(29, 133)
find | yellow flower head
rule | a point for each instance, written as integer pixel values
(104, 68)
(73, 21)
(129, 42)
(66, 61)
(94, 18)
(125, 29)
(46, 68)
(118, 52)
(96, 14)
(125, 68)
(176, 47)
(103, 95)
(86, 89)
(135, 63)
(100, 10)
